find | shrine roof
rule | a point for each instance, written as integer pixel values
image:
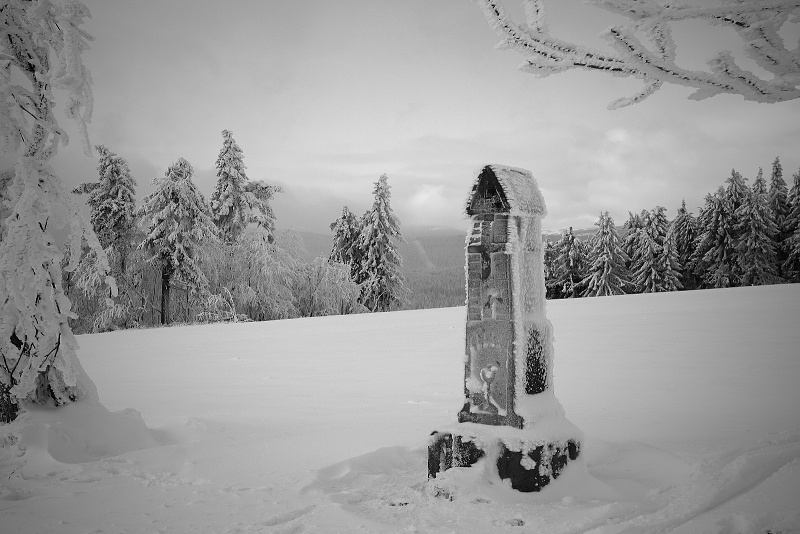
(503, 189)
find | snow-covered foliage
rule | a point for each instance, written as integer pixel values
(258, 272)
(324, 287)
(607, 272)
(654, 261)
(177, 224)
(380, 261)
(684, 229)
(570, 265)
(755, 226)
(236, 201)
(791, 228)
(346, 230)
(40, 50)
(112, 200)
(643, 47)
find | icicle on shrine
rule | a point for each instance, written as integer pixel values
(510, 411)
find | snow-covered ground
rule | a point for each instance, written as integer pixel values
(690, 403)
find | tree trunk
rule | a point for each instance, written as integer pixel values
(166, 274)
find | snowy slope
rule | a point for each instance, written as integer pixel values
(689, 401)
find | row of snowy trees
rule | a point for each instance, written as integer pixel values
(368, 246)
(224, 255)
(743, 236)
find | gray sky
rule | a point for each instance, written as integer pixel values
(325, 96)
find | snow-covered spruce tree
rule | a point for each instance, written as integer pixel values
(346, 230)
(631, 235)
(383, 285)
(552, 289)
(791, 266)
(653, 59)
(236, 201)
(655, 265)
(607, 272)
(755, 229)
(177, 224)
(684, 230)
(779, 205)
(668, 265)
(40, 50)
(570, 268)
(112, 201)
(714, 257)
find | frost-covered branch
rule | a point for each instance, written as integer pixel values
(652, 59)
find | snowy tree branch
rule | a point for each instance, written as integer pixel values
(756, 21)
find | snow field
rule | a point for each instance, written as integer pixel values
(688, 402)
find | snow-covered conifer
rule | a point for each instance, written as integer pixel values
(684, 230)
(791, 266)
(383, 284)
(779, 205)
(756, 227)
(715, 254)
(631, 228)
(40, 50)
(607, 272)
(346, 230)
(236, 201)
(668, 265)
(177, 224)
(571, 265)
(112, 200)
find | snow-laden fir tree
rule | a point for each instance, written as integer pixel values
(643, 47)
(714, 257)
(607, 272)
(177, 223)
(112, 201)
(383, 285)
(668, 264)
(654, 266)
(631, 235)
(684, 230)
(755, 229)
(237, 201)
(791, 227)
(553, 290)
(346, 230)
(40, 51)
(779, 205)
(570, 268)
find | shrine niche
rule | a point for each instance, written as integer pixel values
(508, 342)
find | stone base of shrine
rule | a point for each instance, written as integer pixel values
(528, 469)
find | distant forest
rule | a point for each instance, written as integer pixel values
(743, 235)
(178, 258)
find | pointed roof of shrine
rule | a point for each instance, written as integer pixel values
(503, 189)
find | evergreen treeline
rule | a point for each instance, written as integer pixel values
(743, 235)
(179, 257)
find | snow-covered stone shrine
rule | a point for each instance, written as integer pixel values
(510, 417)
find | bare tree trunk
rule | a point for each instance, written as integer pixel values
(165, 294)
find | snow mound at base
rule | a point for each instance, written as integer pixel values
(44, 440)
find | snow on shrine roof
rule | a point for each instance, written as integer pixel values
(518, 192)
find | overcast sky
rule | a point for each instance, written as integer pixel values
(325, 96)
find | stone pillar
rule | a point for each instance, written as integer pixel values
(508, 348)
